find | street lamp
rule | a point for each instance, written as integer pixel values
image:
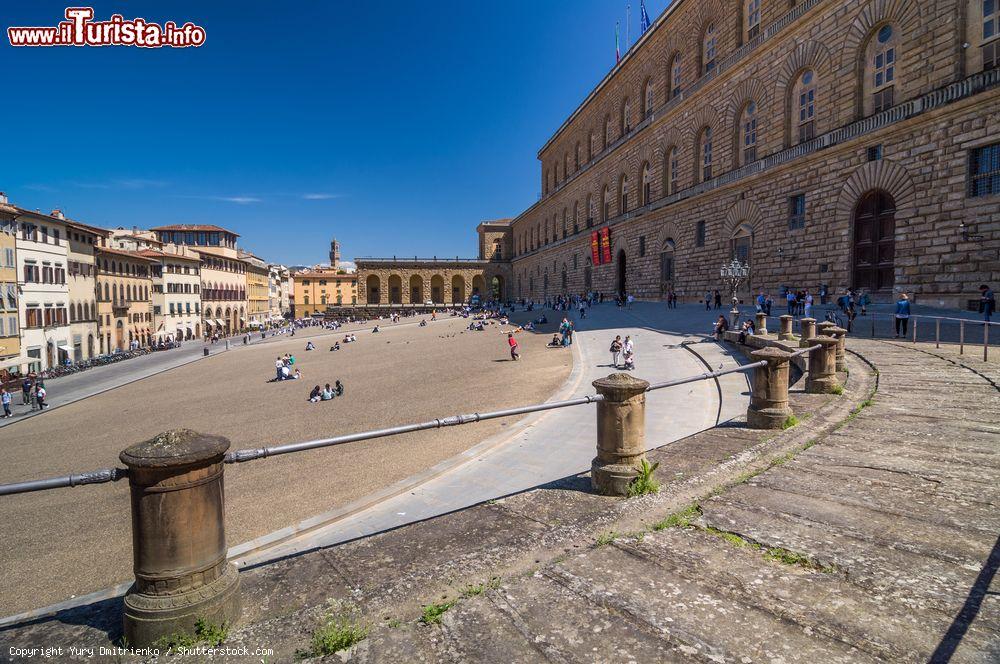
(734, 274)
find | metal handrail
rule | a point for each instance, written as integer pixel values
(105, 475)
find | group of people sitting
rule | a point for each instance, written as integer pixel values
(327, 393)
(283, 368)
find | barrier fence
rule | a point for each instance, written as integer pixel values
(182, 574)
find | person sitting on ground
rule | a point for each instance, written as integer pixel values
(314, 394)
(423, 323)
(555, 343)
(335, 346)
(338, 388)
(327, 393)
(375, 329)
(285, 372)
(310, 346)
(721, 325)
(296, 375)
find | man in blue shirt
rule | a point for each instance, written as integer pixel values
(987, 303)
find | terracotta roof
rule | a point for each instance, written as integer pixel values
(325, 275)
(88, 228)
(193, 227)
(153, 253)
(120, 252)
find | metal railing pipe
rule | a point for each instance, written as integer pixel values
(93, 477)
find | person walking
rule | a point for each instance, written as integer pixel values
(708, 300)
(717, 297)
(5, 401)
(26, 391)
(808, 305)
(40, 394)
(512, 342)
(616, 350)
(902, 314)
(628, 349)
(987, 302)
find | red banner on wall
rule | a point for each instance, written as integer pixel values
(605, 245)
(595, 248)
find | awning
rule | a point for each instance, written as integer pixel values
(209, 322)
(190, 329)
(243, 320)
(68, 349)
(219, 323)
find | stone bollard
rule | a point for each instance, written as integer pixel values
(769, 399)
(621, 433)
(178, 537)
(822, 375)
(786, 328)
(808, 331)
(820, 327)
(761, 324)
(840, 334)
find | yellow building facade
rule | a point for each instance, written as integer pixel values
(10, 338)
(317, 289)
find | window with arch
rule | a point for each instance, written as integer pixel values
(708, 48)
(705, 154)
(670, 171)
(607, 131)
(880, 69)
(804, 100)
(647, 98)
(667, 261)
(626, 119)
(576, 217)
(623, 194)
(676, 71)
(751, 18)
(564, 224)
(590, 210)
(555, 175)
(699, 234)
(565, 166)
(748, 133)
(645, 184)
(606, 203)
(576, 157)
(991, 32)
(591, 146)
(545, 182)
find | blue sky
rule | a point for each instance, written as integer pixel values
(395, 126)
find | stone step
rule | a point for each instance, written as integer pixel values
(887, 459)
(406, 643)
(877, 565)
(896, 494)
(819, 603)
(693, 612)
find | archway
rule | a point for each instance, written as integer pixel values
(119, 335)
(478, 285)
(90, 345)
(496, 286)
(416, 289)
(437, 289)
(874, 242)
(667, 266)
(741, 248)
(622, 274)
(228, 322)
(373, 289)
(458, 289)
(395, 289)
(564, 280)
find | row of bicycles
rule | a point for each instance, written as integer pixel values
(102, 360)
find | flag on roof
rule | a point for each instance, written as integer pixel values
(643, 18)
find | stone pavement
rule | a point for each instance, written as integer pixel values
(548, 446)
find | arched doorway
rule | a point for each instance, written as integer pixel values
(437, 289)
(622, 273)
(416, 289)
(564, 280)
(373, 289)
(119, 335)
(496, 286)
(588, 276)
(458, 289)
(667, 266)
(741, 248)
(395, 289)
(90, 345)
(874, 242)
(478, 285)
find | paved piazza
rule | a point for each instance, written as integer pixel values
(386, 378)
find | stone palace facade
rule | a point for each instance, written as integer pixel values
(851, 143)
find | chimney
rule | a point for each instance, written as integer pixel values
(57, 214)
(3, 198)
(135, 230)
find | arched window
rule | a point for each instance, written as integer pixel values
(623, 194)
(990, 34)
(645, 185)
(576, 157)
(591, 145)
(676, 71)
(565, 166)
(708, 45)
(626, 119)
(881, 55)
(670, 171)
(748, 134)
(590, 210)
(576, 217)
(607, 131)
(667, 264)
(647, 99)
(804, 106)
(606, 203)
(704, 150)
(751, 19)
(564, 224)
(545, 182)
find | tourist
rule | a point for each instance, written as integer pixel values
(310, 346)
(864, 301)
(512, 342)
(338, 388)
(26, 391)
(708, 300)
(748, 330)
(278, 364)
(721, 325)
(717, 298)
(761, 303)
(296, 375)
(790, 302)
(335, 346)
(555, 343)
(808, 305)
(285, 371)
(987, 302)
(375, 329)
(631, 300)
(314, 394)
(616, 350)
(629, 360)
(628, 347)
(327, 393)
(40, 394)
(5, 401)
(902, 314)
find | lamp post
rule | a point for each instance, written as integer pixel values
(734, 274)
